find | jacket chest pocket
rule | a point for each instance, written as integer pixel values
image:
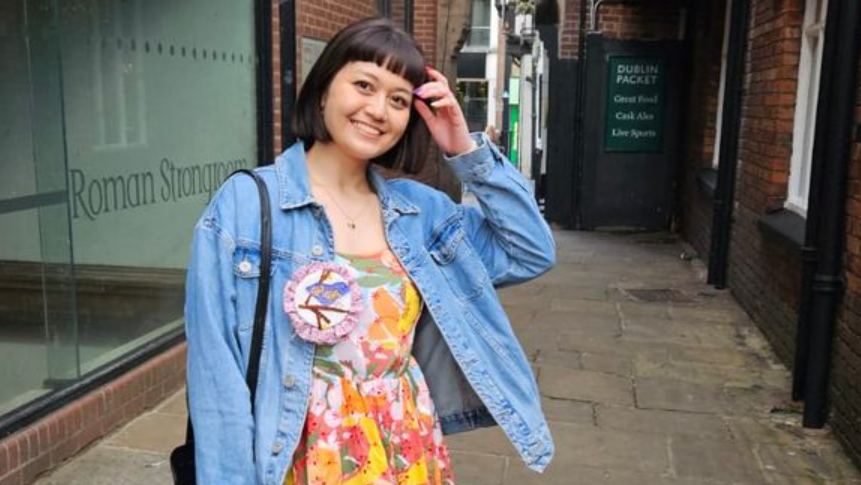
(246, 268)
(457, 260)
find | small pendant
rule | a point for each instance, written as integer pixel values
(351, 225)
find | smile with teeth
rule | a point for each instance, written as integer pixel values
(366, 128)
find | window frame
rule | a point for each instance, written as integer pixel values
(806, 104)
(722, 87)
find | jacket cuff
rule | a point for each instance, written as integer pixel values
(475, 165)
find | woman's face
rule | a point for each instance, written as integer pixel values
(366, 109)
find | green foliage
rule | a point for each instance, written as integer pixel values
(525, 7)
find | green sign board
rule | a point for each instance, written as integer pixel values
(635, 104)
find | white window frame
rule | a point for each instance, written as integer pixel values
(722, 88)
(807, 97)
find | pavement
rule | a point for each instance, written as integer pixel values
(648, 376)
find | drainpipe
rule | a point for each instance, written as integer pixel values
(263, 44)
(287, 25)
(832, 145)
(730, 128)
(593, 14)
(579, 102)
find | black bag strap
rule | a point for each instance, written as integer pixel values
(263, 283)
(262, 294)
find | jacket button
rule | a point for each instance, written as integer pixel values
(245, 266)
(317, 250)
(276, 448)
(289, 382)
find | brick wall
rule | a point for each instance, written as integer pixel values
(425, 28)
(653, 20)
(695, 209)
(62, 434)
(569, 30)
(764, 276)
(846, 377)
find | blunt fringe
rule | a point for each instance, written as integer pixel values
(376, 40)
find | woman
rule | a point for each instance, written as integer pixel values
(383, 331)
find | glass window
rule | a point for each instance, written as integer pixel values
(126, 115)
(810, 66)
(479, 24)
(400, 11)
(473, 97)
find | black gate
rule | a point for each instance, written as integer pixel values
(633, 100)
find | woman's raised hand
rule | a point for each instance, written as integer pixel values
(445, 121)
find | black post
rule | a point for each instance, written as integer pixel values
(287, 22)
(834, 124)
(408, 16)
(730, 128)
(506, 103)
(536, 129)
(263, 44)
(506, 94)
(579, 106)
(802, 333)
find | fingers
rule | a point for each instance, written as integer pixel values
(436, 75)
(446, 102)
(424, 111)
(433, 90)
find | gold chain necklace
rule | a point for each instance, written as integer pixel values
(351, 221)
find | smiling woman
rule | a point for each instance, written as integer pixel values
(372, 273)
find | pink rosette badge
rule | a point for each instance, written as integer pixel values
(323, 302)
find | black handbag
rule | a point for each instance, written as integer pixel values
(182, 457)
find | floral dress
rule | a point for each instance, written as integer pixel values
(371, 420)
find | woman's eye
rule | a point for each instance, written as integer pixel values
(400, 102)
(363, 85)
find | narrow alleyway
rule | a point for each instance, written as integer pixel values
(680, 390)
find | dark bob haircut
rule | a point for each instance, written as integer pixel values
(376, 40)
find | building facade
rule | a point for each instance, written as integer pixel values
(758, 136)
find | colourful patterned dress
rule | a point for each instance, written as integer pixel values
(371, 420)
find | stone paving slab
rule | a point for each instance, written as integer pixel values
(575, 385)
(663, 422)
(155, 432)
(636, 392)
(716, 460)
(107, 465)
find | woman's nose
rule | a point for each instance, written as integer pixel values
(377, 107)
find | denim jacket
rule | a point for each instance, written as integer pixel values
(477, 372)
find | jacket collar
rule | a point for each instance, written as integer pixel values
(294, 190)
